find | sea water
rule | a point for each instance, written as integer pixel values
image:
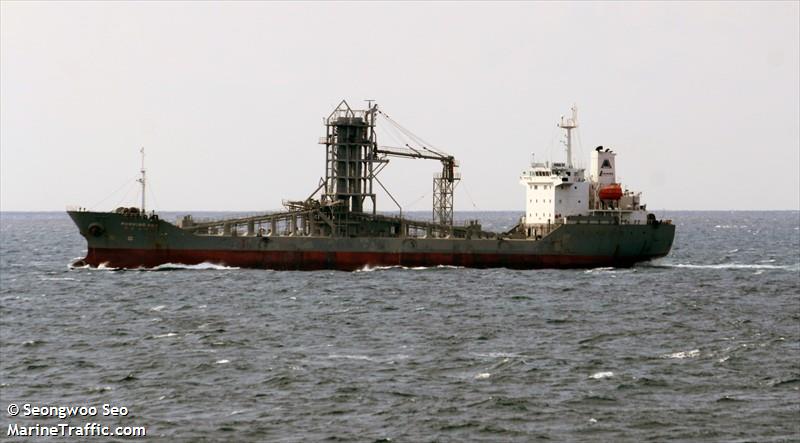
(703, 344)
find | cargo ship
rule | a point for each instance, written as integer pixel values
(572, 220)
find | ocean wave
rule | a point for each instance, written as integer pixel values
(198, 267)
(683, 354)
(795, 267)
(167, 335)
(388, 359)
(369, 268)
(603, 269)
(78, 264)
(601, 375)
(497, 354)
(205, 266)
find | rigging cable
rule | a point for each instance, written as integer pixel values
(152, 194)
(411, 205)
(469, 196)
(126, 183)
(413, 136)
(125, 196)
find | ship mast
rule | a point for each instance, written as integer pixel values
(568, 125)
(142, 180)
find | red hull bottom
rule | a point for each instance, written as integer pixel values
(345, 261)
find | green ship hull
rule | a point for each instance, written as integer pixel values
(135, 241)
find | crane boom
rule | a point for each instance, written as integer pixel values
(448, 161)
(408, 152)
(444, 183)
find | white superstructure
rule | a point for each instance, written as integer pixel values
(558, 193)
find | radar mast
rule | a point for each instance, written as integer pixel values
(142, 180)
(568, 125)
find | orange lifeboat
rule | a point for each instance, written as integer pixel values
(610, 192)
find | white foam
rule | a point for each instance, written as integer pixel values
(158, 308)
(369, 268)
(605, 269)
(601, 375)
(389, 359)
(222, 362)
(498, 354)
(73, 264)
(733, 266)
(353, 357)
(684, 354)
(198, 267)
(169, 334)
(483, 376)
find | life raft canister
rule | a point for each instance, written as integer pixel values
(610, 192)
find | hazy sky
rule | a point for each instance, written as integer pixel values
(700, 100)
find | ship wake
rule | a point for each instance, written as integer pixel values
(745, 266)
(369, 268)
(205, 266)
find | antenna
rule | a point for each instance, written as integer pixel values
(568, 125)
(142, 180)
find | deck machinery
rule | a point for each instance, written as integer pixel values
(345, 203)
(354, 159)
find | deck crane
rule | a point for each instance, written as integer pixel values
(444, 183)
